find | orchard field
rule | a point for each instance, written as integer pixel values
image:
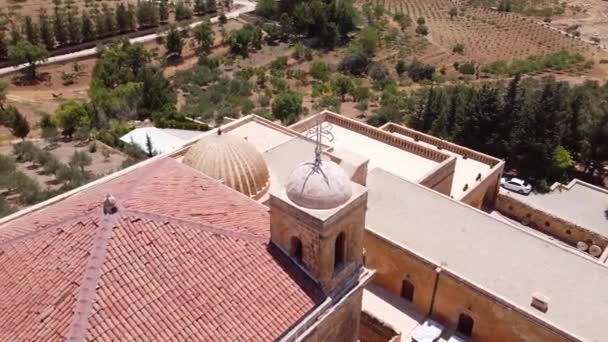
(487, 35)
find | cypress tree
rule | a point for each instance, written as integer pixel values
(131, 20)
(47, 36)
(199, 7)
(74, 27)
(163, 11)
(30, 30)
(109, 19)
(60, 27)
(3, 46)
(122, 20)
(211, 6)
(88, 30)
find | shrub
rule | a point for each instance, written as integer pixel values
(378, 72)
(279, 63)
(355, 62)
(467, 68)
(418, 71)
(320, 71)
(189, 125)
(420, 21)
(422, 30)
(458, 48)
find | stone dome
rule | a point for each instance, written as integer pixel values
(232, 160)
(321, 186)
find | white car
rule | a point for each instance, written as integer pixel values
(516, 185)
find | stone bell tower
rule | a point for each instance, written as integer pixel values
(319, 220)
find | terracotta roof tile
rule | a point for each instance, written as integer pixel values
(185, 258)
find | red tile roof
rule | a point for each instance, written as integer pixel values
(184, 258)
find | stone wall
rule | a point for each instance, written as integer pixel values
(440, 179)
(445, 296)
(318, 238)
(549, 224)
(341, 324)
(483, 193)
(373, 330)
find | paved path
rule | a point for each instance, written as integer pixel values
(245, 6)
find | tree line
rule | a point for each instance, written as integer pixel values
(545, 129)
(65, 27)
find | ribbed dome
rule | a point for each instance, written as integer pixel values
(322, 186)
(232, 160)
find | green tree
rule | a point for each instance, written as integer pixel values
(368, 40)
(422, 30)
(47, 36)
(109, 19)
(266, 8)
(320, 71)
(182, 11)
(80, 160)
(200, 7)
(156, 92)
(60, 27)
(74, 27)
(88, 29)
(212, 7)
(131, 17)
(147, 14)
(122, 19)
(48, 129)
(400, 67)
(174, 43)
(561, 162)
(342, 86)
(287, 107)
(26, 52)
(30, 30)
(3, 46)
(70, 116)
(204, 36)
(15, 122)
(163, 11)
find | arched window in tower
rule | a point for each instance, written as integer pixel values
(296, 249)
(465, 324)
(339, 250)
(407, 290)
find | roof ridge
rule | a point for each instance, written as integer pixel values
(87, 290)
(197, 225)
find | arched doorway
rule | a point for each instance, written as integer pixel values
(465, 325)
(407, 290)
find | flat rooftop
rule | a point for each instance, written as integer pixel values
(578, 202)
(465, 172)
(498, 257)
(392, 159)
(261, 136)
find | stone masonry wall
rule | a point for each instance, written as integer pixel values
(372, 330)
(440, 179)
(560, 229)
(340, 325)
(494, 320)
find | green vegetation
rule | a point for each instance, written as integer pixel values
(556, 61)
(540, 127)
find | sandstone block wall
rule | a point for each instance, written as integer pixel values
(372, 330)
(494, 320)
(341, 325)
(549, 224)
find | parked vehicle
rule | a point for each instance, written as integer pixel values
(516, 185)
